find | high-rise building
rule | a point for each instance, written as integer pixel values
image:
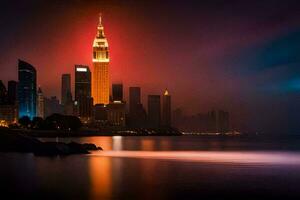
(100, 84)
(27, 89)
(8, 107)
(83, 92)
(137, 113)
(117, 92)
(40, 104)
(8, 114)
(12, 92)
(66, 94)
(166, 109)
(134, 99)
(100, 114)
(116, 114)
(154, 110)
(3, 93)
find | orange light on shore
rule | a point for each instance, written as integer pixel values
(3, 123)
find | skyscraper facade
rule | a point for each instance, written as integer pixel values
(137, 113)
(12, 92)
(3, 93)
(166, 109)
(154, 111)
(40, 104)
(27, 89)
(83, 92)
(134, 99)
(116, 114)
(66, 95)
(100, 90)
(117, 92)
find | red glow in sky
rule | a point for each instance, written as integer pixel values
(179, 46)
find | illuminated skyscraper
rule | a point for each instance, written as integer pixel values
(166, 109)
(26, 89)
(100, 86)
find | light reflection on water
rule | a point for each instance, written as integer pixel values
(281, 158)
(162, 168)
(100, 173)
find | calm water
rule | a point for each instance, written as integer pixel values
(184, 167)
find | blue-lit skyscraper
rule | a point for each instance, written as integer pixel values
(26, 89)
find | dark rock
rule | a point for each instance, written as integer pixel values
(77, 148)
(11, 142)
(91, 147)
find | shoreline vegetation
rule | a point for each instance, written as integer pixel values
(57, 125)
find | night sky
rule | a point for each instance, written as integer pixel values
(241, 56)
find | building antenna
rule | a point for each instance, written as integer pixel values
(100, 18)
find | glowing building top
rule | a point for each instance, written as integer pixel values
(100, 45)
(166, 93)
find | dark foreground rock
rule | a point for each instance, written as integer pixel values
(21, 143)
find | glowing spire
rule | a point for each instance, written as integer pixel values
(166, 92)
(100, 19)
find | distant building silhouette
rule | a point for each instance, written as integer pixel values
(224, 123)
(154, 111)
(116, 109)
(117, 92)
(40, 104)
(215, 121)
(166, 109)
(83, 92)
(8, 114)
(100, 114)
(27, 89)
(12, 92)
(137, 114)
(52, 106)
(3, 93)
(8, 108)
(116, 114)
(66, 94)
(134, 99)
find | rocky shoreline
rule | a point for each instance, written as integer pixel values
(16, 142)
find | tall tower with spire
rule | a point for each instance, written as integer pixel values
(166, 109)
(100, 78)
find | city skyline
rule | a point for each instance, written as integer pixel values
(234, 70)
(150, 99)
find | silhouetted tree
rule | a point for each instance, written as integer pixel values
(25, 121)
(62, 122)
(73, 123)
(37, 123)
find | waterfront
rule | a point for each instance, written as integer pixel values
(184, 167)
